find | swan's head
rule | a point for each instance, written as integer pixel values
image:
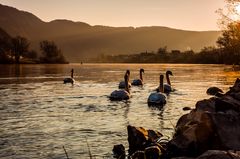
(169, 73)
(128, 72)
(142, 70)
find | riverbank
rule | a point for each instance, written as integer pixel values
(32, 61)
(210, 130)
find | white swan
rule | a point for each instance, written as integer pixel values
(157, 98)
(122, 94)
(122, 83)
(138, 82)
(69, 80)
(167, 86)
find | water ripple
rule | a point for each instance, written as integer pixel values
(40, 114)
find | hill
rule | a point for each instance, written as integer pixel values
(80, 41)
(4, 35)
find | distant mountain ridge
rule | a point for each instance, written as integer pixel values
(80, 41)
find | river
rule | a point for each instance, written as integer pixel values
(40, 114)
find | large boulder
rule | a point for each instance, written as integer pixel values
(227, 103)
(200, 131)
(193, 136)
(206, 105)
(226, 131)
(214, 124)
(216, 154)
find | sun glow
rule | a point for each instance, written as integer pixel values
(235, 14)
(238, 8)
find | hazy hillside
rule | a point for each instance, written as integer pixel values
(79, 41)
(4, 35)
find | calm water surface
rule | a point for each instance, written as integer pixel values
(40, 114)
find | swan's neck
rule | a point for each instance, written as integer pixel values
(72, 74)
(161, 85)
(141, 75)
(168, 79)
(126, 83)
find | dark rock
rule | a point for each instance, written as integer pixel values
(193, 135)
(187, 108)
(207, 132)
(181, 122)
(153, 135)
(227, 131)
(213, 91)
(138, 155)
(235, 88)
(119, 151)
(214, 124)
(183, 158)
(140, 138)
(206, 105)
(137, 138)
(200, 131)
(216, 154)
(152, 152)
(219, 94)
(227, 103)
(236, 96)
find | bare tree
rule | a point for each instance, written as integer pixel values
(51, 53)
(20, 45)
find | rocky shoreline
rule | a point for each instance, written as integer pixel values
(210, 131)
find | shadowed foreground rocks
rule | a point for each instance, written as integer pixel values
(210, 131)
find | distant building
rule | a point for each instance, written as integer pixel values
(175, 51)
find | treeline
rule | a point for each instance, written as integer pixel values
(226, 52)
(208, 55)
(17, 50)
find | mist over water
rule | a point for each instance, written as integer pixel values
(40, 114)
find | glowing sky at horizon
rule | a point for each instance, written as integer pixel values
(181, 14)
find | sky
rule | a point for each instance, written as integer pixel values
(198, 15)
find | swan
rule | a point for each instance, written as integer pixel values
(158, 98)
(167, 86)
(122, 83)
(69, 80)
(122, 94)
(138, 82)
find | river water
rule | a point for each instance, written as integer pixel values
(40, 114)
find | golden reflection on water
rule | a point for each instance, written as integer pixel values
(39, 114)
(230, 76)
